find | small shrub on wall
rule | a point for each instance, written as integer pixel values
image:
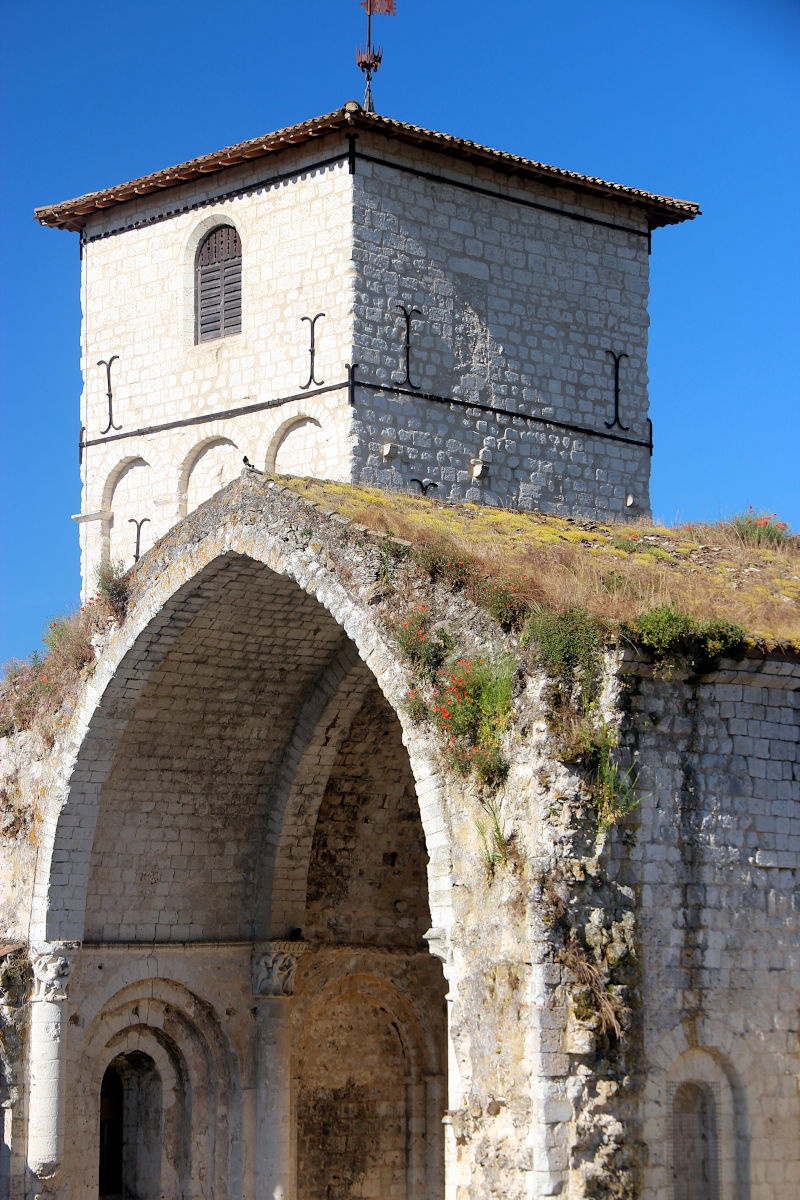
(469, 701)
(676, 639)
(33, 690)
(112, 588)
(427, 649)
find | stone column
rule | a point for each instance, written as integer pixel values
(435, 1106)
(274, 966)
(52, 967)
(439, 944)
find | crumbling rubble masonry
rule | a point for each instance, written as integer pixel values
(253, 946)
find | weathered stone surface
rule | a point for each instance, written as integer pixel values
(239, 777)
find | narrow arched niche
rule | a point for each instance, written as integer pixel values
(367, 1083)
(694, 1136)
(208, 468)
(366, 874)
(299, 448)
(131, 1115)
(352, 1116)
(127, 496)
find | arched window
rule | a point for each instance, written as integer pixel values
(218, 285)
(694, 1140)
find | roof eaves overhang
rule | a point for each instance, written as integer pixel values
(73, 214)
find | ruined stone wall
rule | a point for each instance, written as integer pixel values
(515, 308)
(23, 794)
(683, 914)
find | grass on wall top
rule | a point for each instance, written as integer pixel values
(744, 573)
(746, 570)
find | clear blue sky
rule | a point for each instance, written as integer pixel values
(693, 98)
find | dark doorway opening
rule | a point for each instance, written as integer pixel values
(111, 1124)
(130, 1129)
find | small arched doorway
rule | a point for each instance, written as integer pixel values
(130, 1129)
(694, 1136)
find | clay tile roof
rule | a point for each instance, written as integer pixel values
(72, 214)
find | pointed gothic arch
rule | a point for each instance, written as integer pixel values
(210, 730)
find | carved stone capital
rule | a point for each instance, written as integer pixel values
(51, 971)
(274, 965)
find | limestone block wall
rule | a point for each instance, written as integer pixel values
(718, 875)
(138, 305)
(511, 307)
(445, 296)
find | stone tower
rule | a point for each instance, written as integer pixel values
(361, 299)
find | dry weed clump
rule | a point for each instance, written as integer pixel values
(33, 690)
(599, 1003)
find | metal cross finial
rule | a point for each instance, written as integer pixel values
(369, 58)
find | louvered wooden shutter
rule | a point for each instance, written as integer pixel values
(218, 293)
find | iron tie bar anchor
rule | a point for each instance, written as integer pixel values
(312, 321)
(616, 421)
(351, 369)
(138, 524)
(107, 364)
(409, 314)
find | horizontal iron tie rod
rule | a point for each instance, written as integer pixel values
(371, 387)
(503, 412)
(216, 416)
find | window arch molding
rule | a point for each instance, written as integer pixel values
(125, 468)
(217, 219)
(706, 1070)
(293, 425)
